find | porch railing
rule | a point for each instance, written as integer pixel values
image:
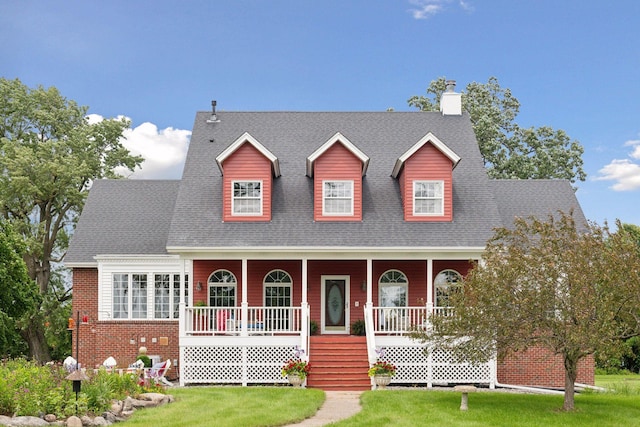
(401, 320)
(229, 320)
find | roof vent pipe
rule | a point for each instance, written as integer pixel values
(451, 85)
(214, 117)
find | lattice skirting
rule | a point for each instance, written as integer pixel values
(438, 367)
(235, 364)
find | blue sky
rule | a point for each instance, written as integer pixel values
(573, 65)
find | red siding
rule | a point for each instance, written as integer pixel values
(247, 164)
(428, 163)
(203, 269)
(357, 272)
(337, 163)
(416, 273)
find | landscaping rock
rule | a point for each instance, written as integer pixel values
(4, 420)
(110, 416)
(27, 422)
(100, 421)
(50, 418)
(74, 422)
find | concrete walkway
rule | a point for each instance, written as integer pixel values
(337, 406)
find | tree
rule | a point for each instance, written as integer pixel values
(508, 150)
(18, 293)
(50, 156)
(546, 284)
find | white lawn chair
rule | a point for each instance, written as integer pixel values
(158, 372)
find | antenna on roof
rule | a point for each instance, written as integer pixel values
(214, 116)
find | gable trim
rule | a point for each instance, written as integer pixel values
(338, 137)
(246, 137)
(428, 138)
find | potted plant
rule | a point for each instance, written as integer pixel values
(296, 371)
(382, 371)
(358, 328)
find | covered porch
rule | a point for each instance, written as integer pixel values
(248, 341)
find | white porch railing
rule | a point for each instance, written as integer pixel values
(229, 320)
(387, 337)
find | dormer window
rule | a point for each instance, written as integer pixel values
(337, 198)
(428, 198)
(247, 198)
(425, 177)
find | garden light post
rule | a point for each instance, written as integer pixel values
(77, 377)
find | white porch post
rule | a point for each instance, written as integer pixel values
(244, 307)
(304, 313)
(429, 285)
(369, 281)
(182, 321)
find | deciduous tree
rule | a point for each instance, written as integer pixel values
(508, 150)
(551, 284)
(18, 294)
(50, 154)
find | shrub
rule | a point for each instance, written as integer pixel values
(29, 389)
(358, 328)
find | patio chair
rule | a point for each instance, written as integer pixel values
(158, 372)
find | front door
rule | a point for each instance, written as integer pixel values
(335, 304)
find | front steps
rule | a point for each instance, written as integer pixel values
(338, 362)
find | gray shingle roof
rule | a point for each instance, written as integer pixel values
(292, 137)
(539, 198)
(145, 217)
(124, 217)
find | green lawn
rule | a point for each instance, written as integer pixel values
(275, 406)
(441, 408)
(231, 406)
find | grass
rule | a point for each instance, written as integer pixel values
(628, 384)
(276, 406)
(410, 408)
(231, 406)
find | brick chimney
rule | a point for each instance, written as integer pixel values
(451, 102)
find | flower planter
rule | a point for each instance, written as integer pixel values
(382, 380)
(295, 380)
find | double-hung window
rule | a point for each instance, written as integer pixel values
(247, 198)
(428, 198)
(337, 198)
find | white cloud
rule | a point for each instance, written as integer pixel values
(163, 151)
(625, 173)
(424, 9)
(636, 148)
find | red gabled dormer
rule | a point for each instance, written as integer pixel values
(425, 174)
(248, 169)
(337, 168)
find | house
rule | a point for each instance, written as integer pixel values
(287, 230)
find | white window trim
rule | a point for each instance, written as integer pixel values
(233, 199)
(324, 198)
(404, 285)
(265, 284)
(447, 286)
(211, 284)
(108, 265)
(429, 181)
